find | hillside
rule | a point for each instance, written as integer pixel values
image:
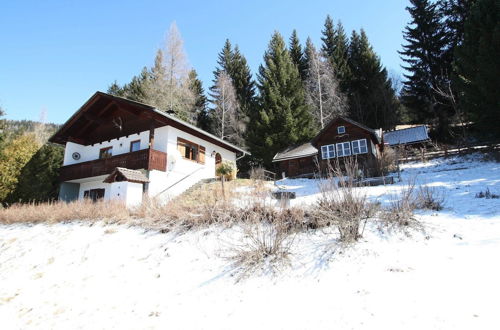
(442, 276)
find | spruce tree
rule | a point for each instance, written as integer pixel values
(335, 47)
(283, 118)
(424, 53)
(372, 99)
(200, 109)
(478, 65)
(297, 55)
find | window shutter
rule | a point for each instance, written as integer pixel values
(202, 155)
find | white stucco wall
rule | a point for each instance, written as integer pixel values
(178, 167)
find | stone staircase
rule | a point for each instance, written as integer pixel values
(198, 185)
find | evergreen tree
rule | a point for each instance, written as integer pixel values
(235, 65)
(283, 118)
(372, 99)
(2, 128)
(478, 65)
(336, 47)
(39, 178)
(203, 119)
(424, 52)
(297, 55)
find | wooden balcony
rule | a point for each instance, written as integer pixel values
(148, 159)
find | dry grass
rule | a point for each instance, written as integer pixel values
(53, 212)
(203, 206)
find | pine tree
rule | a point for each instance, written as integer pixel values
(424, 52)
(297, 55)
(372, 99)
(283, 118)
(2, 128)
(478, 65)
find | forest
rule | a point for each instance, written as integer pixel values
(450, 81)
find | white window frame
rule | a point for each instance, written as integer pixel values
(356, 144)
(328, 151)
(339, 128)
(343, 149)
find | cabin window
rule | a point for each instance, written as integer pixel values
(341, 129)
(190, 150)
(343, 149)
(135, 145)
(105, 152)
(359, 147)
(328, 151)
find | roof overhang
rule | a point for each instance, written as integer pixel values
(105, 117)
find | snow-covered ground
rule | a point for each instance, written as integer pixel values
(76, 276)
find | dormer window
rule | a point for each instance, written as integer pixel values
(341, 129)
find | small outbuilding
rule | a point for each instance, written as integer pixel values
(127, 185)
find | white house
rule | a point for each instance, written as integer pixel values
(120, 149)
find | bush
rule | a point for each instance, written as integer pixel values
(487, 194)
(387, 162)
(400, 212)
(430, 198)
(268, 237)
(342, 205)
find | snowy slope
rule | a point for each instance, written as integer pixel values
(76, 276)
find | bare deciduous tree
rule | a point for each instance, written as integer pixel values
(167, 86)
(322, 87)
(226, 109)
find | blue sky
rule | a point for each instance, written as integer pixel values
(55, 54)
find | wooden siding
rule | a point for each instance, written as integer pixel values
(148, 159)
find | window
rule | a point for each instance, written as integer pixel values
(341, 129)
(135, 145)
(343, 149)
(94, 194)
(328, 151)
(190, 150)
(359, 147)
(105, 152)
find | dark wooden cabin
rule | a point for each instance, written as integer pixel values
(341, 138)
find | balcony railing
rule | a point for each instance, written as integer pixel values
(148, 159)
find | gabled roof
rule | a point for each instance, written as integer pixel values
(376, 133)
(303, 150)
(125, 174)
(95, 122)
(406, 136)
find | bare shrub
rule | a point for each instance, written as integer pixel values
(257, 173)
(341, 204)
(430, 198)
(388, 161)
(487, 194)
(400, 212)
(268, 234)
